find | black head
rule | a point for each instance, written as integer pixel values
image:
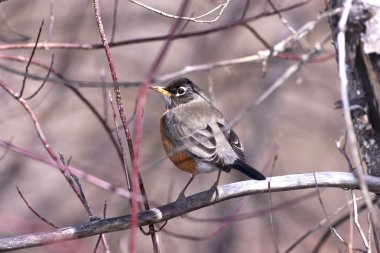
(180, 91)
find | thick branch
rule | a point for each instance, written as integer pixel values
(341, 180)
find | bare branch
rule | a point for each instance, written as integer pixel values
(341, 180)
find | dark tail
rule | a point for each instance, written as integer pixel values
(247, 170)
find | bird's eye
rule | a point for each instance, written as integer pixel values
(181, 91)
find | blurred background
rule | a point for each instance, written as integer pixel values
(297, 122)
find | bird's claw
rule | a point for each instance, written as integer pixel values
(181, 196)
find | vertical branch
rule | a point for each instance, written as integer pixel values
(120, 108)
(119, 101)
(124, 161)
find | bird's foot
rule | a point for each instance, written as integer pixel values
(181, 196)
(214, 188)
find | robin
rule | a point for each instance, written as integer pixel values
(196, 136)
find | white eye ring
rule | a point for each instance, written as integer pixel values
(181, 91)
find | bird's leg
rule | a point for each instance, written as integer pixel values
(182, 193)
(215, 185)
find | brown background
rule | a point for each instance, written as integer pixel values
(297, 121)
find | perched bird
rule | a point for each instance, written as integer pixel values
(196, 136)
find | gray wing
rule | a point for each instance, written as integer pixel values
(232, 138)
(197, 143)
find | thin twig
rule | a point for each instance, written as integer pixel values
(51, 23)
(258, 36)
(114, 20)
(30, 59)
(283, 20)
(350, 245)
(44, 81)
(341, 144)
(34, 211)
(375, 235)
(102, 237)
(245, 9)
(325, 214)
(121, 146)
(275, 242)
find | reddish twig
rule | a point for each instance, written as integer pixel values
(119, 101)
(125, 164)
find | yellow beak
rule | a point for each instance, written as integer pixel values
(161, 90)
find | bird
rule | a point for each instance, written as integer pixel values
(196, 136)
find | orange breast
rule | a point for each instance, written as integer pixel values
(180, 159)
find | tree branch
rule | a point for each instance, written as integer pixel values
(342, 180)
